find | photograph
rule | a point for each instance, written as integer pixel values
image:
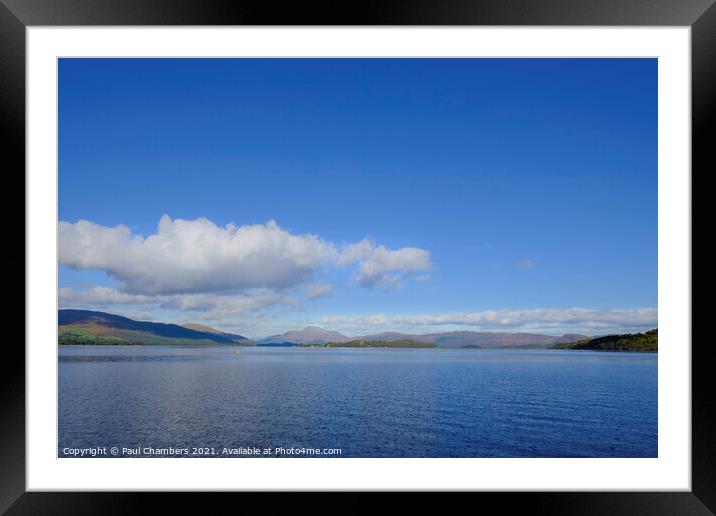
(372, 257)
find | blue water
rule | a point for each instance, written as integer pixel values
(365, 402)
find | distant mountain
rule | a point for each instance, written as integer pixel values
(309, 335)
(239, 339)
(648, 341)
(89, 327)
(359, 343)
(453, 339)
(394, 335)
(461, 339)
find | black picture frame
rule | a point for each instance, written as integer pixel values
(16, 15)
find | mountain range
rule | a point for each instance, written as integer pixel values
(90, 327)
(452, 339)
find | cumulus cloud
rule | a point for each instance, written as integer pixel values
(197, 256)
(318, 290)
(378, 265)
(193, 256)
(195, 265)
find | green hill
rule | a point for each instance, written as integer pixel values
(648, 341)
(100, 328)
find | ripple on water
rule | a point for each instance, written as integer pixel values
(368, 402)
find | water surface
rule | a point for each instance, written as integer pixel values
(365, 402)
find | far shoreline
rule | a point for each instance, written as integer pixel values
(433, 348)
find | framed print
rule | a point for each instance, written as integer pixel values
(414, 249)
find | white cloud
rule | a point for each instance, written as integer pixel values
(102, 296)
(211, 305)
(550, 321)
(361, 320)
(318, 290)
(196, 266)
(199, 257)
(582, 318)
(381, 266)
(194, 256)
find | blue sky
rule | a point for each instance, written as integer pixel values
(521, 188)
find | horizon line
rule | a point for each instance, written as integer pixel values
(355, 336)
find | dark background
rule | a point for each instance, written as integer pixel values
(15, 15)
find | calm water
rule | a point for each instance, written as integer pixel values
(366, 402)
